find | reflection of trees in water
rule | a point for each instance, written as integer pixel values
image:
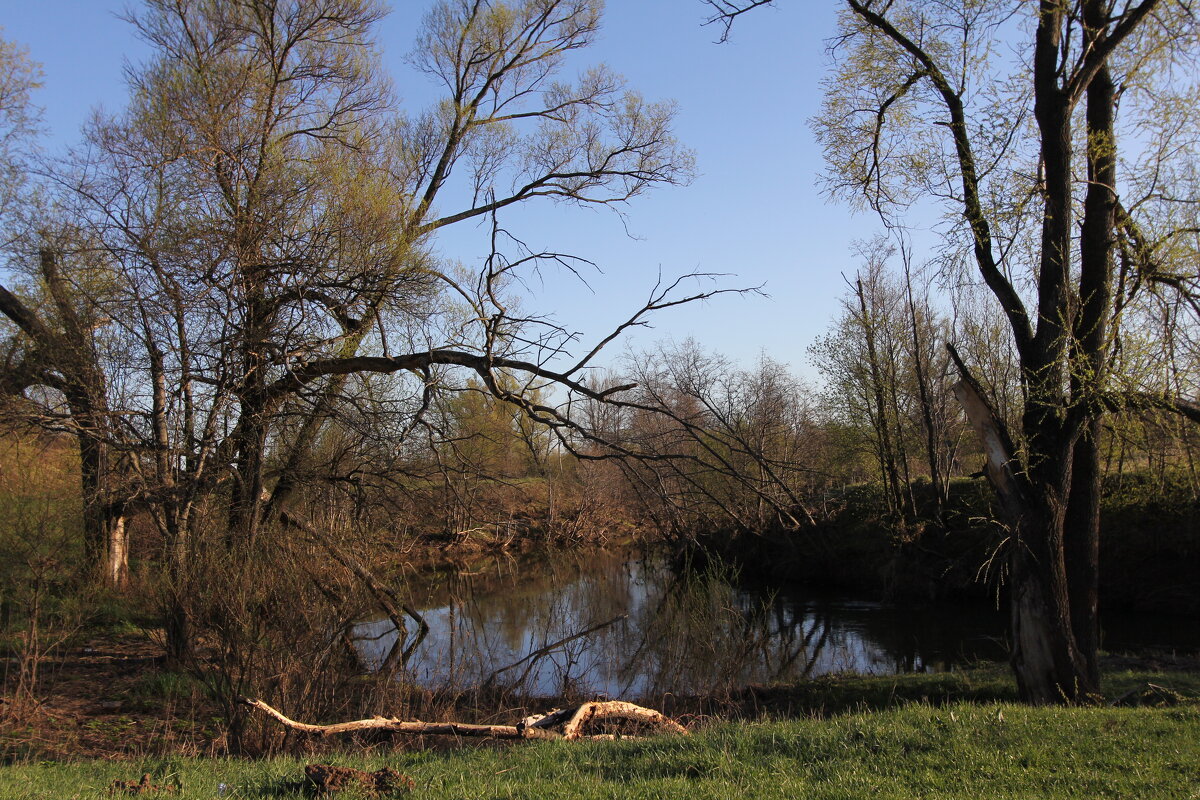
(796, 640)
(699, 634)
(690, 632)
(483, 622)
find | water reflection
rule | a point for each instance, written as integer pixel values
(686, 634)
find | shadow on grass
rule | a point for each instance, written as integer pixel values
(839, 694)
(1123, 681)
(287, 787)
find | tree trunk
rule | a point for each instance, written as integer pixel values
(1081, 547)
(105, 544)
(1046, 658)
(177, 618)
(116, 570)
(887, 454)
(1090, 353)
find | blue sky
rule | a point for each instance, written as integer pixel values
(754, 211)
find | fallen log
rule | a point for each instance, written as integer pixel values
(569, 722)
(558, 724)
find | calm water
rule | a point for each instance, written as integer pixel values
(685, 634)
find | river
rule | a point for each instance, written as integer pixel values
(666, 631)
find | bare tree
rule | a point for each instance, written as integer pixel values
(262, 216)
(714, 447)
(922, 105)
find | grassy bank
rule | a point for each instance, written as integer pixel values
(1149, 545)
(956, 751)
(944, 736)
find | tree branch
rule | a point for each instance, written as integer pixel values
(1010, 301)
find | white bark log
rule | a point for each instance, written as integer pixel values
(562, 724)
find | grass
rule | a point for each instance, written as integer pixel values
(988, 682)
(172, 686)
(912, 750)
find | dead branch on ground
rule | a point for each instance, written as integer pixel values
(558, 724)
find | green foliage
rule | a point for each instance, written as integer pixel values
(1149, 544)
(170, 686)
(491, 437)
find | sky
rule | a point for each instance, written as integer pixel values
(754, 213)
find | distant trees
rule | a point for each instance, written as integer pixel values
(888, 380)
(20, 121)
(719, 447)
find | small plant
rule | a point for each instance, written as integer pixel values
(169, 686)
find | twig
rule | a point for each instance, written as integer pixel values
(544, 651)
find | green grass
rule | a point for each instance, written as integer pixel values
(988, 682)
(974, 751)
(167, 685)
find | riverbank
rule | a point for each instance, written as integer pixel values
(112, 699)
(895, 745)
(1149, 546)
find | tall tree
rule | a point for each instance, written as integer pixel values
(55, 345)
(264, 214)
(922, 105)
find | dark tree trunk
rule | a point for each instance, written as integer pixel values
(247, 493)
(1081, 544)
(247, 500)
(1046, 659)
(1090, 356)
(70, 349)
(1051, 498)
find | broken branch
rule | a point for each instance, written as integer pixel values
(560, 724)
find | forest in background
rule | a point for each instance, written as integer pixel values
(241, 393)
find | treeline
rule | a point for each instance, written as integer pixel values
(227, 331)
(743, 449)
(696, 448)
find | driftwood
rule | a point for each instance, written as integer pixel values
(558, 724)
